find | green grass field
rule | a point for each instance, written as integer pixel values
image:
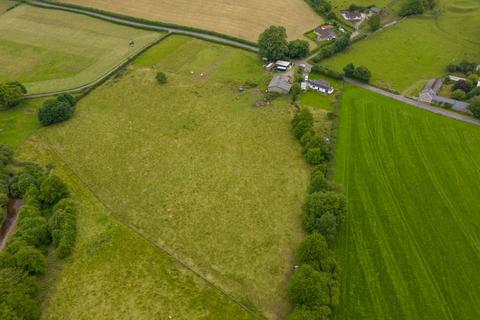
(5, 5)
(18, 123)
(116, 274)
(51, 50)
(410, 245)
(194, 167)
(418, 48)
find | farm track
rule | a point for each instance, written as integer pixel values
(443, 112)
(159, 248)
(125, 62)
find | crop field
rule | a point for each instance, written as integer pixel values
(418, 48)
(244, 19)
(51, 50)
(194, 167)
(410, 245)
(116, 274)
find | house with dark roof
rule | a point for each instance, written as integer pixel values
(320, 85)
(325, 33)
(430, 90)
(354, 16)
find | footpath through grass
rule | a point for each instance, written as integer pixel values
(195, 167)
(418, 48)
(410, 245)
(52, 50)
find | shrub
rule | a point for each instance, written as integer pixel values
(54, 111)
(11, 94)
(321, 203)
(33, 230)
(296, 90)
(462, 85)
(362, 73)
(298, 49)
(410, 7)
(304, 313)
(474, 107)
(374, 22)
(308, 287)
(20, 183)
(314, 251)
(17, 292)
(67, 98)
(53, 190)
(62, 226)
(458, 94)
(31, 260)
(6, 154)
(314, 156)
(349, 70)
(318, 182)
(327, 72)
(161, 78)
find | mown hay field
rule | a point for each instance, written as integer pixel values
(244, 19)
(5, 5)
(195, 167)
(410, 245)
(418, 48)
(52, 50)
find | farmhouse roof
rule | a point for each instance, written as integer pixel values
(320, 84)
(280, 84)
(352, 15)
(325, 33)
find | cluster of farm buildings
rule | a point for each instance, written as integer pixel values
(282, 82)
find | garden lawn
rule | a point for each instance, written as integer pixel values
(52, 50)
(418, 48)
(410, 245)
(113, 272)
(194, 167)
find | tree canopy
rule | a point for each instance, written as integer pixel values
(273, 43)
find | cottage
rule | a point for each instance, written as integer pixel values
(281, 65)
(430, 90)
(280, 84)
(325, 33)
(320, 85)
(354, 16)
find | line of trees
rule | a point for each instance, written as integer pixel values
(410, 7)
(273, 45)
(47, 216)
(322, 7)
(314, 287)
(360, 73)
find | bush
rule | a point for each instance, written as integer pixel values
(67, 98)
(11, 93)
(298, 49)
(33, 230)
(54, 111)
(462, 85)
(62, 226)
(31, 260)
(296, 90)
(304, 313)
(410, 7)
(6, 154)
(464, 66)
(308, 287)
(314, 251)
(327, 72)
(458, 94)
(314, 156)
(362, 73)
(17, 292)
(474, 107)
(161, 78)
(374, 22)
(320, 203)
(20, 183)
(52, 190)
(318, 183)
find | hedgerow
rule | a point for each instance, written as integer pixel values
(48, 214)
(314, 287)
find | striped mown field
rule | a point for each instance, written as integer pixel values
(410, 245)
(52, 50)
(244, 19)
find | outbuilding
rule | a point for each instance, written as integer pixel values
(352, 15)
(430, 90)
(282, 65)
(280, 84)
